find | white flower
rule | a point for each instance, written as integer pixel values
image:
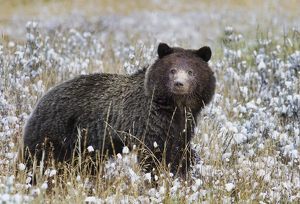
(229, 186)
(47, 172)
(261, 146)
(90, 148)
(44, 185)
(34, 24)
(148, 177)
(125, 150)
(90, 199)
(261, 65)
(28, 24)
(78, 178)
(36, 191)
(131, 56)
(22, 166)
(28, 180)
(52, 172)
(261, 173)
(12, 120)
(162, 190)
(10, 180)
(155, 144)
(5, 198)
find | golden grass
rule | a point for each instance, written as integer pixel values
(28, 8)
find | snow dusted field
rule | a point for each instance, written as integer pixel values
(248, 138)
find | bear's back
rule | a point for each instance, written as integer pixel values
(83, 103)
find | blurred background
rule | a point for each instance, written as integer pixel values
(200, 21)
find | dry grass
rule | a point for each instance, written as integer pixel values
(29, 8)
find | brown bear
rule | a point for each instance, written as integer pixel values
(159, 104)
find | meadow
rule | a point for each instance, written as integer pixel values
(248, 138)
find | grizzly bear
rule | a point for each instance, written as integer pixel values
(156, 105)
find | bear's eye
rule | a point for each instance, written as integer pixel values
(190, 73)
(173, 71)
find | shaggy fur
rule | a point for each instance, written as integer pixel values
(153, 105)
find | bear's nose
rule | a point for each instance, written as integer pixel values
(178, 84)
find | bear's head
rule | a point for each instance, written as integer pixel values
(181, 77)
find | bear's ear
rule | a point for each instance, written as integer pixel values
(204, 53)
(163, 50)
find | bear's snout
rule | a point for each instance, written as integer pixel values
(180, 83)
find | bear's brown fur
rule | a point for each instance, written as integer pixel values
(158, 104)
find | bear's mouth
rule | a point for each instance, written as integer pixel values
(180, 90)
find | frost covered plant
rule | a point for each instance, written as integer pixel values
(254, 119)
(231, 48)
(294, 62)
